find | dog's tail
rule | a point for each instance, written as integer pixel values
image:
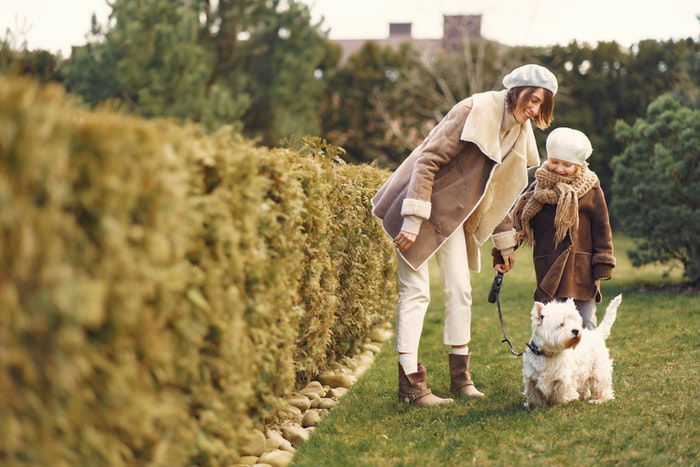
(609, 318)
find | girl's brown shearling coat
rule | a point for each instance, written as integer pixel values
(460, 173)
(573, 268)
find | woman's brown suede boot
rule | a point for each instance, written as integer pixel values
(461, 381)
(413, 388)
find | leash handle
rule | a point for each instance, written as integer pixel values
(496, 288)
(494, 298)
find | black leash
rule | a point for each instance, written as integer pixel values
(494, 298)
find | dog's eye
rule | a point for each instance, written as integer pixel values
(561, 325)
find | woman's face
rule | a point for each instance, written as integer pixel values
(561, 167)
(530, 108)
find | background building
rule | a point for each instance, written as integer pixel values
(455, 29)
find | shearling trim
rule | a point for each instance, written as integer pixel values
(416, 207)
(603, 258)
(483, 124)
(504, 240)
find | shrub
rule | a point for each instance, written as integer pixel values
(161, 290)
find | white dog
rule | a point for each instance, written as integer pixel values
(564, 361)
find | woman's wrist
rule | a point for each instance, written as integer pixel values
(411, 224)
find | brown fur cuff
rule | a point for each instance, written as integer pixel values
(602, 271)
(605, 258)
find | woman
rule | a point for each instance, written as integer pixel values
(450, 194)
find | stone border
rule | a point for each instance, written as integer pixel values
(305, 408)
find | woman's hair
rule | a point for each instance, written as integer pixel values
(544, 118)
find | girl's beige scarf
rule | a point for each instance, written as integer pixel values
(551, 188)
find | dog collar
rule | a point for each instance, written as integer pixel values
(536, 350)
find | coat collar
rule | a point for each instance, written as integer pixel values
(483, 125)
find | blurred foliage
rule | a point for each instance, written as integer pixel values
(602, 84)
(263, 68)
(163, 289)
(657, 184)
(363, 104)
(256, 65)
(41, 65)
(150, 57)
(384, 100)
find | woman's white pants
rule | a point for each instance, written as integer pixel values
(414, 296)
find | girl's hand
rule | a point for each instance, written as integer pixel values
(508, 262)
(404, 240)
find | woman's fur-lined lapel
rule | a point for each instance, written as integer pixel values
(483, 125)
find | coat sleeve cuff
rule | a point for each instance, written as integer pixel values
(411, 224)
(415, 207)
(603, 258)
(602, 271)
(504, 240)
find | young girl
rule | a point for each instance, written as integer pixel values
(564, 216)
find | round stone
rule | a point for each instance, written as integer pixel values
(311, 418)
(337, 393)
(295, 434)
(275, 440)
(327, 403)
(336, 381)
(302, 403)
(277, 458)
(255, 445)
(314, 391)
(380, 335)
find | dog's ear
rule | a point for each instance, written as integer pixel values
(537, 315)
(570, 302)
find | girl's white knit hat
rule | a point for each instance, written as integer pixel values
(531, 75)
(569, 145)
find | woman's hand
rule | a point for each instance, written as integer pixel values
(404, 240)
(508, 262)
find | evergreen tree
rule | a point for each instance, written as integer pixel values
(602, 84)
(150, 58)
(365, 111)
(285, 58)
(657, 184)
(256, 63)
(90, 71)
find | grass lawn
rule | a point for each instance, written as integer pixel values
(652, 421)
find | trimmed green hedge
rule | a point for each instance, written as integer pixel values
(161, 289)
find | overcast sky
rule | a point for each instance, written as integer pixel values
(56, 25)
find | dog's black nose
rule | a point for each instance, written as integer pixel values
(574, 332)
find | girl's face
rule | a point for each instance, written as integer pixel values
(561, 167)
(531, 108)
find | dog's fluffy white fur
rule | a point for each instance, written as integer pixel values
(575, 363)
